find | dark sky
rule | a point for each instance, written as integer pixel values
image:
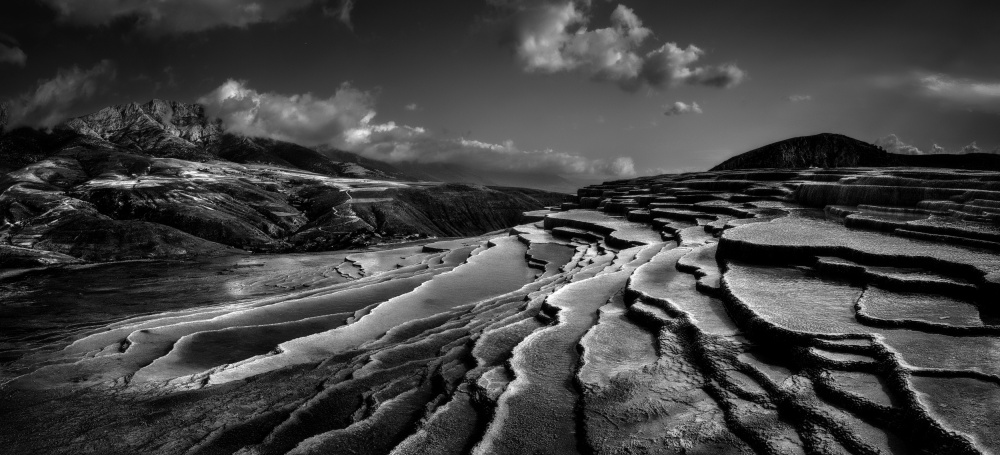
(523, 84)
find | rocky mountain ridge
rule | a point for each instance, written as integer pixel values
(159, 180)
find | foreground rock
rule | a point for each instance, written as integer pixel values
(814, 311)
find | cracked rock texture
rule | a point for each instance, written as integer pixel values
(827, 311)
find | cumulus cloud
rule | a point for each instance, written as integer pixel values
(412, 107)
(345, 120)
(303, 119)
(176, 16)
(893, 144)
(799, 98)
(553, 37)
(971, 148)
(52, 100)
(679, 108)
(394, 143)
(10, 53)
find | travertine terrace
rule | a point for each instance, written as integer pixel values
(748, 311)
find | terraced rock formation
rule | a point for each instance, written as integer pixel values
(756, 311)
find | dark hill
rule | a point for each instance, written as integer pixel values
(829, 150)
(822, 150)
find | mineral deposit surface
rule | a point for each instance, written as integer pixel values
(848, 310)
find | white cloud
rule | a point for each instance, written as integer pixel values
(10, 53)
(412, 107)
(671, 65)
(952, 91)
(679, 108)
(176, 16)
(971, 148)
(51, 101)
(553, 37)
(345, 120)
(302, 119)
(799, 98)
(394, 143)
(948, 86)
(893, 144)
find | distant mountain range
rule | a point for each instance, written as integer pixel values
(160, 180)
(168, 129)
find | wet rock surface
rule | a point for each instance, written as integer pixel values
(720, 312)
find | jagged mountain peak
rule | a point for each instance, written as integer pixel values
(157, 127)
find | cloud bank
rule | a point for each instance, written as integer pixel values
(10, 53)
(52, 100)
(948, 89)
(345, 120)
(894, 144)
(971, 148)
(402, 144)
(680, 108)
(303, 119)
(176, 16)
(553, 37)
(958, 89)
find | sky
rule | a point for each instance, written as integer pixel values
(573, 87)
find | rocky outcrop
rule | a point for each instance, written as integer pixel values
(158, 128)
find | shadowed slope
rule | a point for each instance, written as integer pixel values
(828, 150)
